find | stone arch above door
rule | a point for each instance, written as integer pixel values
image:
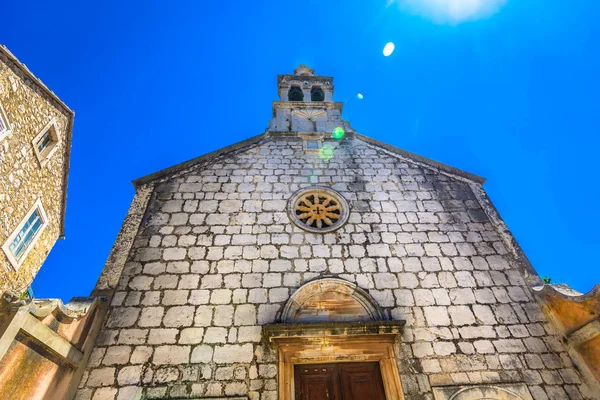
(483, 392)
(331, 300)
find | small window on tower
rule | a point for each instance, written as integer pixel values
(4, 127)
(45, 144)
(295, 94)
(312, 145)
(316, 94)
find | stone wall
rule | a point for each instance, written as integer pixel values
(216, 257)
(22, 179)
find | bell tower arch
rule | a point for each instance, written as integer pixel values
(306, 105)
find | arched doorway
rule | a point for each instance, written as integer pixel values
(332, 335)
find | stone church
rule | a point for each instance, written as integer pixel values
(314, 263)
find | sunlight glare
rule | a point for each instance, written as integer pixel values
(450, 11)
(326, 152)
(388, 49)
(338, 133)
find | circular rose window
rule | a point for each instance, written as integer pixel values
(318, 209)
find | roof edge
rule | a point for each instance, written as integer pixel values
(436, 165)
(137, 183)
(69, 134)
(552, 291)
(66, 167)
(4, 50)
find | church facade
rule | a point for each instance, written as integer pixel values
(312, 262)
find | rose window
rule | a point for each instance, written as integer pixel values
(318, 209)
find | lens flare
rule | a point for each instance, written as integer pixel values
(450, 11)
(338, 133)
(360, 96)
(388, 49)
(326, 152)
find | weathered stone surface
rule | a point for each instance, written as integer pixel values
(171, 355)
(223, 258)
(230, 354)
(27, 176)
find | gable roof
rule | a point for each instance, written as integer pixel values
(424, 161)
(239, 146)
(59, 104)
(204, 158)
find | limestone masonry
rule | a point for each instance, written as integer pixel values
(309, 262)
(213, 287)
(27, 110)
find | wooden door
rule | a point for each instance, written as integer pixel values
(317, 382)
(360, 381)
(344, 381)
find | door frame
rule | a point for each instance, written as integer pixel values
(336, 343)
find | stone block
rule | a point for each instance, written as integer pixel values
(220, 296)
(202, 354)
(133, 336)
(171, 355)
(250, 334)
(385, 281)
(101, 377)
(215, 335)
(116, 355)
(179, 316)
(223, 315)
(461, 315)
(122, 317)
(162, 336)
(509, 346)
(141, 354)
(267, 313)
(175, 297)
(232, 354)
(436, 316)
(484, 315)
(130, 375)
(191, 336)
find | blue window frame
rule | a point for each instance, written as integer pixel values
(26, 234)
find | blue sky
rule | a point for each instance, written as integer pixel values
(511, 96)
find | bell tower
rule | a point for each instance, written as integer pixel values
(306, 105)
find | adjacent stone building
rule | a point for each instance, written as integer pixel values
(43, 343)
(35, 143)
(312, 262)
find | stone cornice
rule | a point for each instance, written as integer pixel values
(296, 105)
(303, 78)
(77, 308)
(332, 329)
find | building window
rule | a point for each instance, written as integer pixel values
(318, 209)
(295, 94)
(4, 125)
(312, 145)
(46, 143)
(316, 94)
(24, 236)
